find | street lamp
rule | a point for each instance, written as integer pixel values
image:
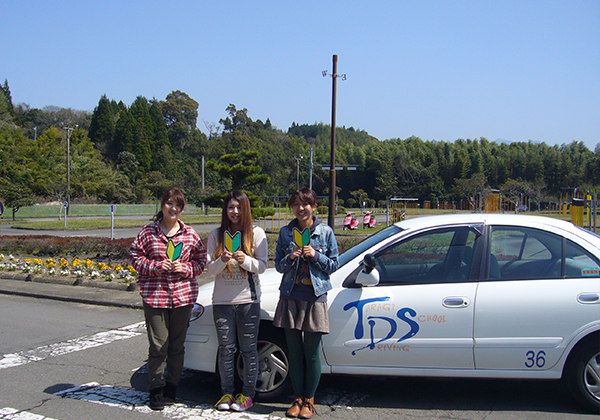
(68, 200)
(298, 158)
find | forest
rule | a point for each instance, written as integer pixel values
(123, 153)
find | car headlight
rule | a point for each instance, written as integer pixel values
(197, 312)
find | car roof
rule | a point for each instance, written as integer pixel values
(486, 218)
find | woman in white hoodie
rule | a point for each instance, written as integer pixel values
(236, 254)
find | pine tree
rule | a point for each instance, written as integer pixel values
(102, 127)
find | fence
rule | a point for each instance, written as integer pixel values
(79, 210)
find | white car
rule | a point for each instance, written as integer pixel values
(469, 295)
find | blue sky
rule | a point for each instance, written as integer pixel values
(439, 70)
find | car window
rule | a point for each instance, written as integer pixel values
(524, 253)
(439, 255)
(367, 243)
(579, 262)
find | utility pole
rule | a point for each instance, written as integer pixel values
(298, 159)
(203, 182)
(334, 76)
(311, 166)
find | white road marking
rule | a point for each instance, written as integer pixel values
(8, 413)
(70, 346)
(131, 399)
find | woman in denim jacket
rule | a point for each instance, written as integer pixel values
(302, 306)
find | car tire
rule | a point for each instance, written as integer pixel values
(582, 374)
(273, 380)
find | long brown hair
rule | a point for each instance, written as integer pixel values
(176, 195)
(245, 225)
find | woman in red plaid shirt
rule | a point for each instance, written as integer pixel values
(168, 256)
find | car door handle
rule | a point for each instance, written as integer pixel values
(456, 302)
(588, 298)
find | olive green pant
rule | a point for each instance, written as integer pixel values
(166, 337)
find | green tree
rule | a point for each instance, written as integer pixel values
(6, 116)
(15, 197)
(102, 126)
(470, 188)
(240, 168)
(143, 132)
(124, 139)
(360, 196)
(181, 114)
(516, 190)
(160, 145)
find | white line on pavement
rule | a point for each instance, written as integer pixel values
(8, 413)
(131, 399)
(70, 346)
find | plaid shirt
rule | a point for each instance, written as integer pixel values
(167, 290)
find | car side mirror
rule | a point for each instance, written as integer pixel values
(368, 276)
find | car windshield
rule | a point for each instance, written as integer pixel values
(362, 246)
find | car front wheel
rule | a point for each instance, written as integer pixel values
(583, 375)
(273, 381)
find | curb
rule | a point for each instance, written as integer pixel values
(68, 290)
(129, 287)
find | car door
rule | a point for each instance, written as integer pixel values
(532, 300)
(420, 315)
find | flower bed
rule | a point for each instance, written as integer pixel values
(62, 267)
(52, 246)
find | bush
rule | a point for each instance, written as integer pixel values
(262, 212)
(45, 245)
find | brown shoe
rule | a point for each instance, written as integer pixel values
(294, 410)
(308, 408)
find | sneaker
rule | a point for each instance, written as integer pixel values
(169, 394)
(156, 399)
(225, 402)
(241, 403)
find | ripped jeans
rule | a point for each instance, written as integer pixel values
(237, 324)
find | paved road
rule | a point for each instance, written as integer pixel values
(63, 361)
(118, 233)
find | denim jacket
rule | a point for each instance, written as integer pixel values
(321, 266)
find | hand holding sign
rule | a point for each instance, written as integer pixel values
(302, 241)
